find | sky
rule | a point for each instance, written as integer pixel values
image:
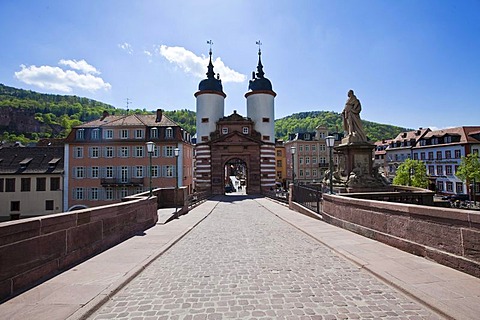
(411, 63)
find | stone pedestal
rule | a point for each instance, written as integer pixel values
(357, 158)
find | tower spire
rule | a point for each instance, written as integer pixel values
(210, 73)
(260, 73)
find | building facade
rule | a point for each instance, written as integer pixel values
(441, 151)
(108, 159)
(31, 181)
(280, 165)
(311, 157)
(247, 143)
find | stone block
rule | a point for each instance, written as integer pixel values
(19, 230)
(84, 235)
(471, 244)
(28, 254)
(5, 289)
(83, 216)
(398, 226)
(34, 276)
(438, 236)
(58, 222)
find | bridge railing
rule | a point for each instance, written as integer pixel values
(279, 195)
(309, 196)
(196, 198)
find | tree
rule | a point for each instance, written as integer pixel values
(469, 169)
(411, 173)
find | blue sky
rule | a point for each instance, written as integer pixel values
(411, 63)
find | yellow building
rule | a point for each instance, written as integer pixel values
(31, 181)
(280, 165)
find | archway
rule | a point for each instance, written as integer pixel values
(235, 176)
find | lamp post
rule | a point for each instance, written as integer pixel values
(150, 146)
(293, 149)
(330, 141)
(176, 152)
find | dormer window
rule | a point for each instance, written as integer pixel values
(95, 134)
(224, 130)
(169, 133)
(124, 134)
(80, 134)
(245, 130)
(24, 163)
(154, 133)
(138, 133)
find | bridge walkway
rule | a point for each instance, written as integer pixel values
(246, 257)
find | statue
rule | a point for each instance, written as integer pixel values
(352, 124)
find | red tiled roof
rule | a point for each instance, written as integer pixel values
(130, 120)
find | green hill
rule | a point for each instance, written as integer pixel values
(308, 121)
(55, 115)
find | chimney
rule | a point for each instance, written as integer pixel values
(159, 115)
(104, 115)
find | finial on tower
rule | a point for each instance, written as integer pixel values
(210, 73)
(260, 72)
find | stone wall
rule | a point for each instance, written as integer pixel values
(32, 250)
(449, 236)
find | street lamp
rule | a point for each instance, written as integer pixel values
(176, 152)
(150, 146)
(293, 149)
(330, 141)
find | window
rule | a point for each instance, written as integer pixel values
(78, 152)
(279, 174)
(54, 184)
(300, 160)
(168, 151)
(78, 194)
(169, 133)
(459, 187)
(94, 152)
(314, 172)
(265, 119)
(323, 160)
(108, 193)
(156, 151)
(245, 130)
(307, 160)
(439, 170)
(430, 155)
(314, 160)
(80, 134)
(155, 172)
(124, 192)
(448, 154)
(449, 186)
(439, 155)
(124, 134)
(204, 138)
(422, 156)
(1, 184)
(25, 184)
(279, 163)
(79, 172)
(10, 185)
(154, 133)
(458, 154)
(265, 138)
(94, 172)
(314, 148)
(94, 194)
(307, 173)
(415, 156)
(168, 171)
(307, 148)
(139, 152)
(109, 172)
(15, 206)
(279, 153)
(139, 171)
(300, 148)
(448, 170)
(323, 147)
(108, 134)
(124, 152)
(224, 130)
(108, 152)
(138, 133)
(301, 173)
(475, 151)
(439, 185)
(204, 120)
(431, 170)
(48, 205)
(95, 135)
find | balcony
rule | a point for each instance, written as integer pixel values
(121, 182)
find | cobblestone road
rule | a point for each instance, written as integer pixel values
(243, 262)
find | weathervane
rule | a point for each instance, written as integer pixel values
(259, 43)
(210, 42)
(128, 102)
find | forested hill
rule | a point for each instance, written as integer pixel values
(55, 115)
(308, 121)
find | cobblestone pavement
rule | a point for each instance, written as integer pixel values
(243, 262)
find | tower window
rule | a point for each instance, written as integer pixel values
(204, 138)
(266, 120)
(204, 120)
(224, 130)
(245, 130)
(266, 138)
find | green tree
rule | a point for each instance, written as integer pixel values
(411, 173)
(469, 169)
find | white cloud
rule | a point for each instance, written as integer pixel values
(126, 47)
(197, 66)
(81, 65)
(56, 78)
(148, 53)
